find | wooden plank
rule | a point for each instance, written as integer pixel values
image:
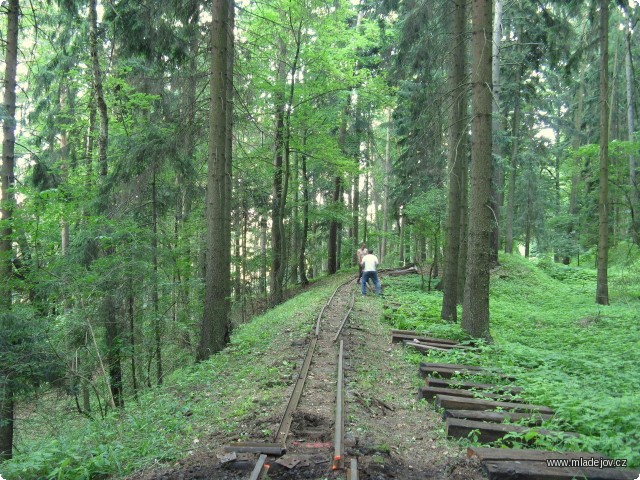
(441, 346)
(533, 419)
(402, 271)
(448, 372)
(490, 432)
(429, 393)
(450, 402)
(452, 366)
(401, 335)
(517, 470)
(424, 347)
(446, 346)
(447, 383)
(256, 447)
(526, 454)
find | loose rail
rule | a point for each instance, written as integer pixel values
(262, 465)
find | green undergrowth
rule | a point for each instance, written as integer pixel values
(568, 353)
(217, 397)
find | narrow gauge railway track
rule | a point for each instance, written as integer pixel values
(311, 430)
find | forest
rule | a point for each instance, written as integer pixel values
(172, 169)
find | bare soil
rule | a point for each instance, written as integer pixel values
(390, 432)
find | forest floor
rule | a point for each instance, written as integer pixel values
(393, 435)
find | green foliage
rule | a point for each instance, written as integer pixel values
(25, 357)
(218, 395)
(427, 210)
(567, 352)
(412, 309)
(561, 272)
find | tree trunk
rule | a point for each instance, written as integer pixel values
(103, 117)
(90, 140)
(602, 287)
(456, 163)
(305, 218)
(527, 227)
(228, 146)
(132, 336)
(356, 210)
(155, 298)
(464, 222)
(7, 206)
(513, 168)
(286, 144)
(243, 263)
(295, 222)
(184, 187)
(7, 172)
(575, 144)
(108, 308)
(7, 419)
(385, 199)
(112, 327)
(436, 254)
(356, 184)
(277, 222)
(236, 254)
(365, 224)
(634, 197)
(475, 316)
(401, 227)
(332, 247)
(263, 256)
(215, 322)
(497, 179)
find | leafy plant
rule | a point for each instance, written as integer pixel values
(568, 353)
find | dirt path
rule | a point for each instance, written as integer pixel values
(396, 436)
(392, 435)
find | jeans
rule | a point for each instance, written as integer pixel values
(374, 277)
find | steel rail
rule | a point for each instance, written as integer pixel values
(261, 467)
(338, 439)
(344, 320)
(326, 305)
(285, 423)
(352, 474)
(281, 433)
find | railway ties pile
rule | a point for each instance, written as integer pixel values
(309, 441)
(480, 410)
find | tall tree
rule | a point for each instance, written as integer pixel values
(7, 205)
(386, 189)
(475, 316)
(456, 162)
(305, 217)
(513, 165)
(336, 200)
(602, 287)
(215, 322)
(497, 180)
(109, 302)
(634, 194)
(278, 242)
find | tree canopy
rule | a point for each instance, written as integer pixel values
(169, 166)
